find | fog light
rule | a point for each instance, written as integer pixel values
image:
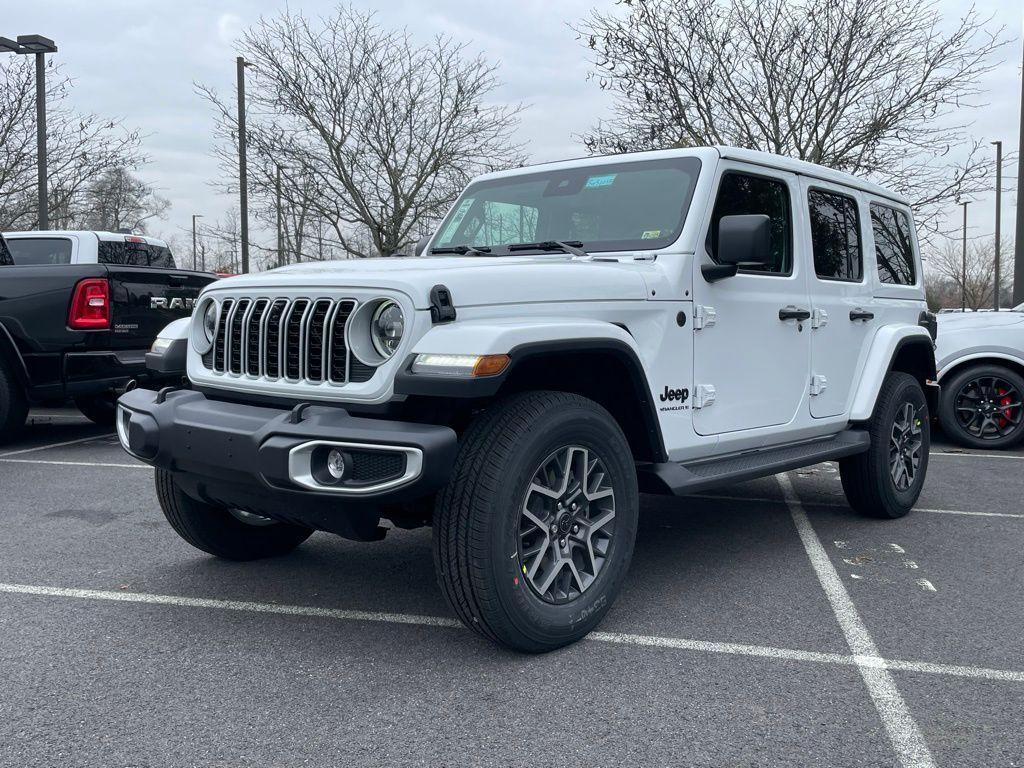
(336, 464)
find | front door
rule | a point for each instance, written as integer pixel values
(752, 340)
(842, 305)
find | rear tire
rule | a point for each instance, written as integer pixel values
(885, 481)
(13, 405)
(99, 409)
(515, 566)
(215, 530)
(970, 389)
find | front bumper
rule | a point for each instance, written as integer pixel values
(264, 460)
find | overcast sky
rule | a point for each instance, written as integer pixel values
(138, 59)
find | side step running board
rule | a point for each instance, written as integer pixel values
(693, 477)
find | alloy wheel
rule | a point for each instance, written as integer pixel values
(988, 407)
(905, 447)
(566, 524)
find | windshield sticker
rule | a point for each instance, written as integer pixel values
(601, 181)
(650, 234)
(457, 218)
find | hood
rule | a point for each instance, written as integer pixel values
(956, 321)
(472, 280)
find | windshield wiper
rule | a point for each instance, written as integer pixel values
(461, 249)
(572, 247)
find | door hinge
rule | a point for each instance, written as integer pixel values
(703, 317)
(703, 395)
(819, 384)
(819, 318)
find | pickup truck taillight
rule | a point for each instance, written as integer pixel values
(90, 305)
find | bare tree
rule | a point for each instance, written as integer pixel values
(949, 282)
(119, 199)
(376, 133)
(80, 148)
(871, 87)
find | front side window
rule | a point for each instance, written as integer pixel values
(743, 194)
(132, 254)
(30, 251)
(894, 246)
(613, 207)
(835, 236)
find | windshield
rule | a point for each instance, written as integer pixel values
(639, 205)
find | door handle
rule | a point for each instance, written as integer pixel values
(861, 314)
(794, 313)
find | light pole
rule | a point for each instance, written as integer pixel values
(243, 175)
(1018, 257)
(280, 221)
(39, 46)
(999, 203)
(963, 275)
(194, 217)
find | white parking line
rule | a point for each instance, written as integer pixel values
(53, 445)
(618, 638)
(903, 731)
(834, 505)
(74, 463)
(977, 455)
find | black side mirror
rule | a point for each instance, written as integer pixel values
(742, 240)
(421, 244)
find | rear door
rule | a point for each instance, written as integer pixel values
(751, 349)
(842, 301)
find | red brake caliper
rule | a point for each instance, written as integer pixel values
(1005, 413)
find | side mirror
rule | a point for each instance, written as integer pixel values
(742, 240)
(421, 244)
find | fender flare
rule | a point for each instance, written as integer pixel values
(521, 342)
(885, 346)
(956, 362)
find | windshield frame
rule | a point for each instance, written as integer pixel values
(687, 163)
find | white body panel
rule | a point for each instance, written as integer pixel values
(760, 366)
(965, 337)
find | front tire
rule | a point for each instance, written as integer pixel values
(221, 532)
(534, 532)
(885, 481)
(983, 407)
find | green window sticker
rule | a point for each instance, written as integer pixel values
(650, 234)
(601, 181)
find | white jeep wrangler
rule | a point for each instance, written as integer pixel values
(574, 333)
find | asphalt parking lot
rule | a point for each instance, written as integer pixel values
(767, 626)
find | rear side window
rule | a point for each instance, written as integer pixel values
(894, 246)
(134, 254)
(740, 194)
(28, 251)
(835, 236)
(6, 260)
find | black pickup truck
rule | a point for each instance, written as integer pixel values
(81, 331)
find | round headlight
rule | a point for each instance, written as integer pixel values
(210, 321)
(202, 337)
(387, 327)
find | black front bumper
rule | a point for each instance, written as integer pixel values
(238, 455)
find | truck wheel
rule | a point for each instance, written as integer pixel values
(885, 481)
(99, 409)
(13, 405)
(534, 532)
(222, 532)
(983, 407)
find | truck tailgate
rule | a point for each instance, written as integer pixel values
(144, 300)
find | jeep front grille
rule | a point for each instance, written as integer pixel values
(286, 339)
